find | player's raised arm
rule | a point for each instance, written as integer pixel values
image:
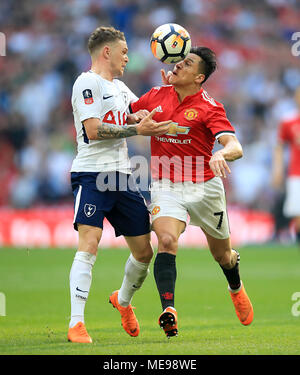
(97, 130)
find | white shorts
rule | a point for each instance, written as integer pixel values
(291, 207)
(204, 203)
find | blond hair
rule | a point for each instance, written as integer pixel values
(103, 35)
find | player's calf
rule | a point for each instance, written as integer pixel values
(231, 270)
(239, 297)
(165, 274)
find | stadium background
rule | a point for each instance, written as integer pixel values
(46, 50)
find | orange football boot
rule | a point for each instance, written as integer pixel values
(78, 333)
(243, 306)
(128, 318)
(168, 321)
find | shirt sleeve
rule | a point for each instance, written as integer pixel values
(283, 133)
(217, 121)
(141, 103)
(132, 96)
(87, 98)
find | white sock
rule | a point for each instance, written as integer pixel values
(135, 274)
(80, 282)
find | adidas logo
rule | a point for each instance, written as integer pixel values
(159, 109)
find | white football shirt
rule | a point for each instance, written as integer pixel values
(94, 96)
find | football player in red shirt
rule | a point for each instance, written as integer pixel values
(186, 177)
(289, 135)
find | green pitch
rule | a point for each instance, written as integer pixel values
(36, 287)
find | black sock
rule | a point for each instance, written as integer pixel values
(165, 277)
(298, 237)
(233, 274)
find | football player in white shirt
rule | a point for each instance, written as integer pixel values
(100, 103)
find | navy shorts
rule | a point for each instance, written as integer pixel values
(113, 195)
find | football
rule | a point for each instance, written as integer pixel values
(170, 43)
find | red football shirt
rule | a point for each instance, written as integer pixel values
(289, 132)
(183, 154)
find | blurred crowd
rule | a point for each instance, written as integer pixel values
(46, 50)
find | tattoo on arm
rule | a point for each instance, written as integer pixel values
(109, 131)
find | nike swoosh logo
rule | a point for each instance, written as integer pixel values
(79, 290)
(107, 96)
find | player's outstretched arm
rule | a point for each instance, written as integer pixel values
(96, 130)
(231, 151)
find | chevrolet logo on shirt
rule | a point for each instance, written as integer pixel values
(176, 129)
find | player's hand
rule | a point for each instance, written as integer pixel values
(136, 117)
(165, 77)
(148, 126)
(219, 165)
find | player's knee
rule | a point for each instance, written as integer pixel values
(89, 244)
(89, 238)
(225, 259)
(144, 255)
(167, 242)
(92, 246)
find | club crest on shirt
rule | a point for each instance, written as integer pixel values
(89, 209)
(88, 96)
(155, 210)
(190, 114)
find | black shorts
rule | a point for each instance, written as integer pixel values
(119, 201)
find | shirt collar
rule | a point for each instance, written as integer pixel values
(187, 97)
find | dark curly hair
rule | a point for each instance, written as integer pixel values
(208, 62)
